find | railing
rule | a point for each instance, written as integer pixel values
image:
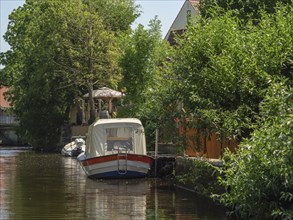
(7, 120)
(122, 155)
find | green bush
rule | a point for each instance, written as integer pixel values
(259, 178)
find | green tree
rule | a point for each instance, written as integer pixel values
(244, 10)
(223, 69)
(58, 50)
(90, 52)
(144, 70)
(32, 75)
(117, 17)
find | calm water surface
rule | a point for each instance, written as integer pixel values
(49, 186)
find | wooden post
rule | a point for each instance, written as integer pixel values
(156, 150)
(110, 105)
(100, 105)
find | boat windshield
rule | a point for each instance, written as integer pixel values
(119, 138)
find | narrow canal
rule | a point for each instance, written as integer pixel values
(49, 186)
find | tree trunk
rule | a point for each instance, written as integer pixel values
(93, 111)
(93, 114)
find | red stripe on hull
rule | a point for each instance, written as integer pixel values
(113, 157)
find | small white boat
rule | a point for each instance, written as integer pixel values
(74, 148)
(116, 148)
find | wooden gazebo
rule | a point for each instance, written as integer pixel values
(105, 94)
(79, 115)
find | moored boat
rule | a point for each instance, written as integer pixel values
(74, 148)
(116, 148)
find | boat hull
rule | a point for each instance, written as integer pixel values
(117, 166)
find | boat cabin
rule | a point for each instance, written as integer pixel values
(107, 136)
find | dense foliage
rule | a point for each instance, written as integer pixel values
(223, 69)
(60, 50)
(144, 77)
(259, 178)
(244, 10)
(234, 76)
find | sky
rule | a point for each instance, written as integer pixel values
(166, 10)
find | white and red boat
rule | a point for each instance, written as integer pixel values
(116, 148)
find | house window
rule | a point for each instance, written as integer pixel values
(188, 14)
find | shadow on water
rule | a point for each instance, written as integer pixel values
(49, 186)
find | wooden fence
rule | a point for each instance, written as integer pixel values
(204, 143)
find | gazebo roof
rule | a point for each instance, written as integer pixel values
(105, 92)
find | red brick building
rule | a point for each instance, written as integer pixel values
(3, 102)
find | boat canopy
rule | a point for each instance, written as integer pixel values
(109, 135)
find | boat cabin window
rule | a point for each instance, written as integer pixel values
(119, 138)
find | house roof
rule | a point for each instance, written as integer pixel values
(180, 22)
(3, 102)
(194, 2)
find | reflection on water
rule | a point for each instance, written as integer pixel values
(49, 186)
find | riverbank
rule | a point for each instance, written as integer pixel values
(198, 175)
